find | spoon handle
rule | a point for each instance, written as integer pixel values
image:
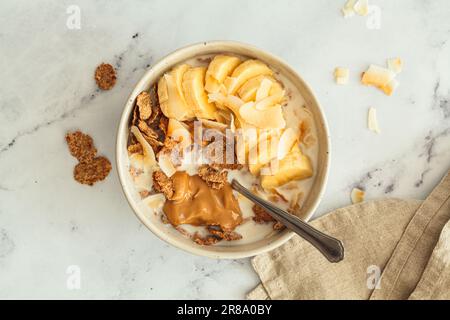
(330, 247)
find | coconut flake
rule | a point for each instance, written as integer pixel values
(341, 75)
(149, 154)
(372, 122)
(232, 124)
(357, 195)
(390, 87)
(155, 201)
(271, 118)
(348, 10)
(361, 7)
(395, 64)
(166, 165)
(287, 140)
(380, 77)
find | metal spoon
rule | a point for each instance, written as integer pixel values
(330, 247)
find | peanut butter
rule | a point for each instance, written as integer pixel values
(197, 204)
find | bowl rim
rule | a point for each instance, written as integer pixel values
(123, 126)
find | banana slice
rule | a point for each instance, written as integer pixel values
(249, 89)
(263, 90)
(270, 101)
(194, 91)
(171, 98)
(218, 70)
(271, 118)
(295, 166)
(245, 71)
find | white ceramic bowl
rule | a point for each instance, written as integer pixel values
(169, 234)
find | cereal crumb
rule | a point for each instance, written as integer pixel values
(144, 103)
(144, 194)
(135, 148)
(213, 177)
(163, 184)
(93, 171)
(81, 146)
(261, 216)
(105, 76)
(278, 226)
(205, 241)
(225, 235)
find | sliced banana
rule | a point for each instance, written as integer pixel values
(244, 72)
(249, 89)
(218, 70)
(270, 101)
(171, 97)
(196, 97)
(270, 118)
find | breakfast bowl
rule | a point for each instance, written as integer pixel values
(255, 239)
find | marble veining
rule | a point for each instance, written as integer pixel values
(59, 239)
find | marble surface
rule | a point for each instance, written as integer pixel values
(49, 223)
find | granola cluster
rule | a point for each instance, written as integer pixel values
(150, 120)
(261, 216)
(90, 168)
(215, 235)
(105, 76)
(214, 178)
(163, 184)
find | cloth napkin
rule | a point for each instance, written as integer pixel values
(394, 249)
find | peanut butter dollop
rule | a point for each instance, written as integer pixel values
(196, 204)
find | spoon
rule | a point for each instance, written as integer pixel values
(330, 247)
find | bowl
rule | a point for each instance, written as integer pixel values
(169, 234)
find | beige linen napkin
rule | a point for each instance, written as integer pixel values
(404, 241)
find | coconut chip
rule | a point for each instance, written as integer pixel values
(372, 122)
(357, 195)
(166, 165)
(341, 75)
(348, 10)
(155, 201)
(395, 64)
(361, 7)
(380, 77)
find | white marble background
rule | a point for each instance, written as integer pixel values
(49, 222)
